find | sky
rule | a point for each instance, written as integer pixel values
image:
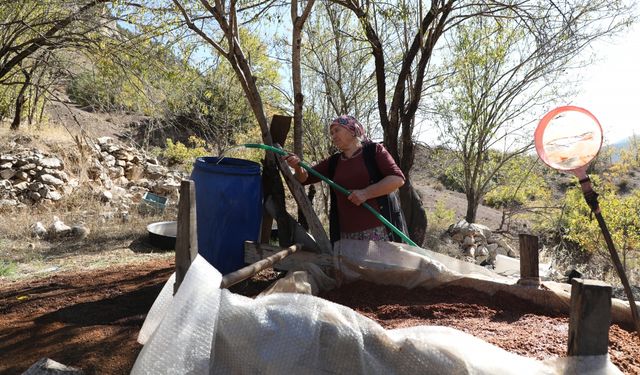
(611, 87)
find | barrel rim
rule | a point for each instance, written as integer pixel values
(237, 165)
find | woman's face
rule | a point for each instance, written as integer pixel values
(341, 137)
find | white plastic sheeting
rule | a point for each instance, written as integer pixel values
(204, 329)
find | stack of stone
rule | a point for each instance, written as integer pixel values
(477, 243)
(29, 176)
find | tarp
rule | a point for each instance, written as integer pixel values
(207, 330)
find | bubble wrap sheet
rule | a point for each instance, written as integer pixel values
(204, 329)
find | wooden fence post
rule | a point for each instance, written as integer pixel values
(590, 317)
(529, 260)
(187, 236)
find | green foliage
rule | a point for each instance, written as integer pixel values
(441, 217)
(580, 231)
(178, 153)
(452, 177)
(7, 268)
(519, 183)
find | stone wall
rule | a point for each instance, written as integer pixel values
(30, 176)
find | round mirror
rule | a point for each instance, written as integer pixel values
(568, 138)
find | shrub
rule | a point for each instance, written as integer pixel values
(178, 153)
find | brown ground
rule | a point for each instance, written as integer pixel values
(91, 320)
(503, 320)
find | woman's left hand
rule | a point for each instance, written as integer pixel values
(358, 197)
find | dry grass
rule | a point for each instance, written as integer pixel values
(117, 231)
(114, 237)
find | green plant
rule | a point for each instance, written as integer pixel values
(7, 268)
(178, 153)
(441, 217)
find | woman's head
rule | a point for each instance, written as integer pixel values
(346, 129)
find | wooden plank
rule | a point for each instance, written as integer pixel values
(279, 129)
(187, 235)
(590, 317)
(254, 252)
(529, 260)
(244, 273)
(315, 226)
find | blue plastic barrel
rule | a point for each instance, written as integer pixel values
(229, 209)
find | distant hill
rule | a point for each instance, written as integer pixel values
(620, 145)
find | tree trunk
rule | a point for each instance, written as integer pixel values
(15, 125)
(414, 213)
(472, 208)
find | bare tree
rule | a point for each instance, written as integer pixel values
(31, 31)
(225, 40)
(505, 77)
(403, 36)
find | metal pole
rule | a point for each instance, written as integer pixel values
(591, 197)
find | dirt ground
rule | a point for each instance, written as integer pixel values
(91, 320)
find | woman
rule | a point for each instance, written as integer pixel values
(351, 169)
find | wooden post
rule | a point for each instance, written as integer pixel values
(279, 129)
(250, 270)
(529, 261)
(187, 236)
(590, 317)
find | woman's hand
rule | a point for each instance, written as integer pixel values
(358, 197)
(293, 160)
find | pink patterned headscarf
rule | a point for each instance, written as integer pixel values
(350, 123)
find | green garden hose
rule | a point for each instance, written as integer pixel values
(339, 188)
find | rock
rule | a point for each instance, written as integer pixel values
(104, 140)
(7, 158)
(38, 230)
(457, 237)
(8, 202)
(54, 196)
(58, 229)
(155, 171)
(509, 250)
(53, 163)
(50, 180)
(115, 172)
(5, 185)
(36, 185)
(79, 232)
(46, 366)
(110, 161)
(24, 185)
(468, 241)
(28, 167)
(34, 196)
(7, 173)
(22, 175)
(134, 172)
(470, 251)
(6, 165)
(106, 196)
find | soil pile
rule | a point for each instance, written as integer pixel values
(503, 320)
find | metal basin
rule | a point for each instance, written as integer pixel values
(163, 234)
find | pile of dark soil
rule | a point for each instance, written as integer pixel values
(503, 320)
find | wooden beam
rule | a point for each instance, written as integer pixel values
(187, 235)
(315, 226)
(529, 260)
(254, 252)
(279, 129)
(248, 271)
(590, 317)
